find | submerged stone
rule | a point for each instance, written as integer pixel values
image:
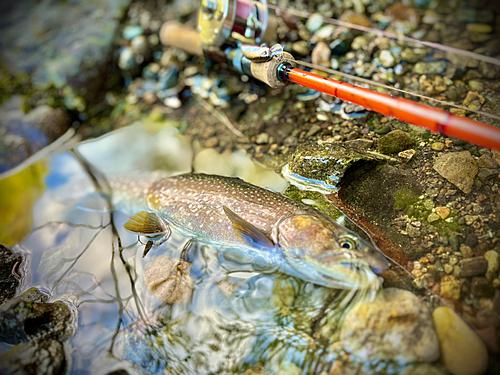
(462, 351)
(168, 279)
(321, 168)
(396, 325)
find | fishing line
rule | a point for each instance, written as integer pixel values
(382, 85)
(401, 37)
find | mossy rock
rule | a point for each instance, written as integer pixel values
(395, 141)
(321, 168)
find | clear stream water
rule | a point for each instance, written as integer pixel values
(213, 316)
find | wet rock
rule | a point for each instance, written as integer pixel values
(457, 167)
(462, 351)
(473, 267)
(35, 358)
(395, 141)
(450, 288)
(21, 321)
(436, 67)
(394, 326)
(9, 283)
(314, 22)
(70, 43)
(21, 135)
(168, 279)
(492, 257)
(321, 55)
(322, 167)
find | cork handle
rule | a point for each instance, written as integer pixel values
(267, 71)
(177, 35)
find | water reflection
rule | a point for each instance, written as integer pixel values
(201, 314)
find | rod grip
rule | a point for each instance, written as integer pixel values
(175, 34)
(267, 72)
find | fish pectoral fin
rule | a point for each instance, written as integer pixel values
(145, 223)
(246, 232)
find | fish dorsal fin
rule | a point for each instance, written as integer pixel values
(145, 223)
(247, 232)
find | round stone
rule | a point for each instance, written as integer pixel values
(438, 146)
(462, 351)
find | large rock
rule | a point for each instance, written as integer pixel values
(396, 325)
(60, 42)
(459, 168)
(463, 352)
(21, 135)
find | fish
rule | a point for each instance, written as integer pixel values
(230, 213)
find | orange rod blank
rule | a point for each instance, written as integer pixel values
(434, 119)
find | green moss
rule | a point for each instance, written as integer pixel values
(404, 199)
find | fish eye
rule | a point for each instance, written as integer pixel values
(348, 242)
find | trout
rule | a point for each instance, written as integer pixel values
(232, 214)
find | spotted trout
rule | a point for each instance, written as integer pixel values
(232, 214)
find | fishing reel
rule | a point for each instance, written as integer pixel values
(223, 22)
(234, 32)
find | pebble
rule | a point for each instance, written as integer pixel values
(394, 326)
(450, 288)
(433, 217)
(492, 257)
(321, 55)
(173, 102)
(473, 267)
(466, 251)
(359, 42)
(211, 142)
(355, 18)
(412, 231)
(130, 32)
(438, 146)
(149, 97)
(139, 45)
(262, 139)
(301, 48)
(401, 12)
(407, 154)
(314, 22)
(435, 67)
(479, 28)
(459, 168)
(462, 351)
(387, 59)
(443, 212)
(473, 100)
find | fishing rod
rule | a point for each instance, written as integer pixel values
(235, 32)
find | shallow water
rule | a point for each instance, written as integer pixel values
(151, 315)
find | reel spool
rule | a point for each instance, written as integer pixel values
(222, 22)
